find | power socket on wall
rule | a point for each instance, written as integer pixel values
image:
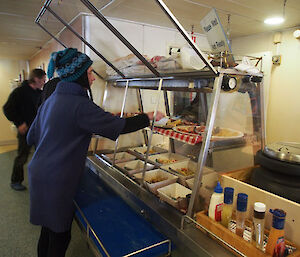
(276, 59)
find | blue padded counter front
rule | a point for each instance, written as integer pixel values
(119, 228)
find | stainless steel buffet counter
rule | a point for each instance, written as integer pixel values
(188, 241)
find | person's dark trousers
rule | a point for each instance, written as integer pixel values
(22, 157)
(52, 244)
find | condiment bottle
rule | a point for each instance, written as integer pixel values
(216, 203)
(227, 207)
(275, 245)
(259, 224)
(242, 200)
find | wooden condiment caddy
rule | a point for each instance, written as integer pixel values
(247, 248)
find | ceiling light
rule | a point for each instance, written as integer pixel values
(297, 33)
(274, 20)
(278, 19)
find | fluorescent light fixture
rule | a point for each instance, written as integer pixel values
(274, 20)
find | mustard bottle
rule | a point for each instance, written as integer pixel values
(227, 207)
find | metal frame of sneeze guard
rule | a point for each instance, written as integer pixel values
(46, 7)
(151, 131)
(122, 113)
(95, 11)
(185, 35)
(205, 143)
(99, 15)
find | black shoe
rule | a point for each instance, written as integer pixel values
(17, 186)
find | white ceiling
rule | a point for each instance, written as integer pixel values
(20, 37)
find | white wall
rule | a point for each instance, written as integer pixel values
(283, 119)
(9, 70)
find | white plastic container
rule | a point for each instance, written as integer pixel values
(133, 167)
(173, 194)
(141, 151)
(167, 179)
(216, 203)
(187, 166)
(167, 158)
(120, 157)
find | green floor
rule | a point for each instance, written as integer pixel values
(18, 238)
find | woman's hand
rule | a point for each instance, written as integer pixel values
(159, 115)
(23, 128)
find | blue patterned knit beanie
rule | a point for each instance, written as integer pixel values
(69, 64)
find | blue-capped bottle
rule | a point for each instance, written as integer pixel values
(227, 207)
(241, 209)
(216, 203)
(276, 244)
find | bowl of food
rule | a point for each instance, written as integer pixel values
(167, 158)
(184, 170)
(157, 178)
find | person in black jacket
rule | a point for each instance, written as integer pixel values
(49, 88)
(21, 108)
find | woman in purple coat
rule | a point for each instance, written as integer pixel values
(61, 133)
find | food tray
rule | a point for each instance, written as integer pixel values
(167, 157)
(120, 157)
(192, 130)
(174, 194)
(188, 165)
(149, 175)
(141, 151)
(133, 167)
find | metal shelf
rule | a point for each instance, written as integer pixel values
(182, 75)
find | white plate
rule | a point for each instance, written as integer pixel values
(232, 134)
(161, 122)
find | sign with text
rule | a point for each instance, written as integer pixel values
(214, 31)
